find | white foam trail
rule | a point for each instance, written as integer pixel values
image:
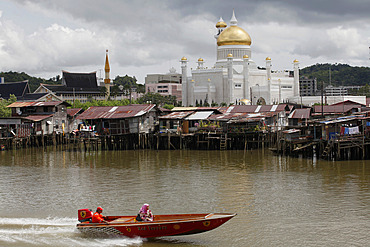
(52, 232)
(36, 221)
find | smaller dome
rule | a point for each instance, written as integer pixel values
(200, 60)
(183, 59)
(245, 56)
(221, 24)
(295, 61)
(229, 55)
(268, 58)
(245, 102)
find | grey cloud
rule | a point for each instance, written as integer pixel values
(144, 33)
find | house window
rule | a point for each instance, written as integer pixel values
(238, 85)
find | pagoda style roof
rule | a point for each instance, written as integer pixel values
(19, 89)
(80, 80)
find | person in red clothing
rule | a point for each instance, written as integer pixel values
(98, 217)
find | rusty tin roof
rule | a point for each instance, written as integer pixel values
(37, 118)
(38, 103)
(177, 115)
(73, 111)
(304, 113)
(115, 112)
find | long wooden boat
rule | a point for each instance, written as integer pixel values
(162, 225)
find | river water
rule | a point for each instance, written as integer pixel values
(279, 201)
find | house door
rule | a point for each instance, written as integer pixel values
(185, 127)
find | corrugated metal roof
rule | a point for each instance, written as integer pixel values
(48, 103)
(246, 120)
(194, 108)
(200, 115)
(273, 108)
(253, 108)
(301, 113)
(349, 102)
(20, 104)
(114, 112)
(38, 103)
(341, 119)
(37, 118)
(291, 131)
(177, 115)
(335, 108)
(252, 117)
(73, 111)
(243, 108)
(226, 116)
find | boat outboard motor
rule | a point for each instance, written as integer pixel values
(85, 215)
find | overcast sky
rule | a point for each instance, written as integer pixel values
(43, 37)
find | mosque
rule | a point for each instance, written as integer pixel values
(235, 77)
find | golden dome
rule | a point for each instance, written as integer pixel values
(229, 55)
(221, 24)
(245, 56)
(295, 61)
(245, 101)
(268, 58)
(200, 60)
(234, 35)
(183, 59)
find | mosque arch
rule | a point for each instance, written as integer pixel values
(261, 101)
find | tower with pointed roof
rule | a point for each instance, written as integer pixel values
(106, 78)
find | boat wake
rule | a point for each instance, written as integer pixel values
(52, 232)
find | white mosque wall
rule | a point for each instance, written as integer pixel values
(214, 83)
(238, 51)
(311, 100)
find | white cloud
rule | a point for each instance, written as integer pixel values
(338, 44)
(151, 36)
(50, 49)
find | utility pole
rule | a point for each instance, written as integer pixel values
(322, 99)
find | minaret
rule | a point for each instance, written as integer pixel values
(230, 77)
(106, 79)
(268, 71)
(200, 63)
(268, 67)
(246, 94)
(185, 86)
(209, 98)
(220, 25)
(296, 78)
(233, 21)
(191, 100)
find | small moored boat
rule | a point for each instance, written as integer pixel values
(162, 225)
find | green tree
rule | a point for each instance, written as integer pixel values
(337, 74)
(125, 80)
(169, 107)
(4, 110)
(34, 82)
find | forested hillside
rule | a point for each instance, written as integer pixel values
(34, 82)
(341, 74)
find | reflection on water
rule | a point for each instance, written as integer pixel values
(280, 201)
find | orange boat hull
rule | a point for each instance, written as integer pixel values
(163, 225)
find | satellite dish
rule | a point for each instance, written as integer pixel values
(19, 112)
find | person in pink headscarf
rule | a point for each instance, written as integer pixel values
(145, 214)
